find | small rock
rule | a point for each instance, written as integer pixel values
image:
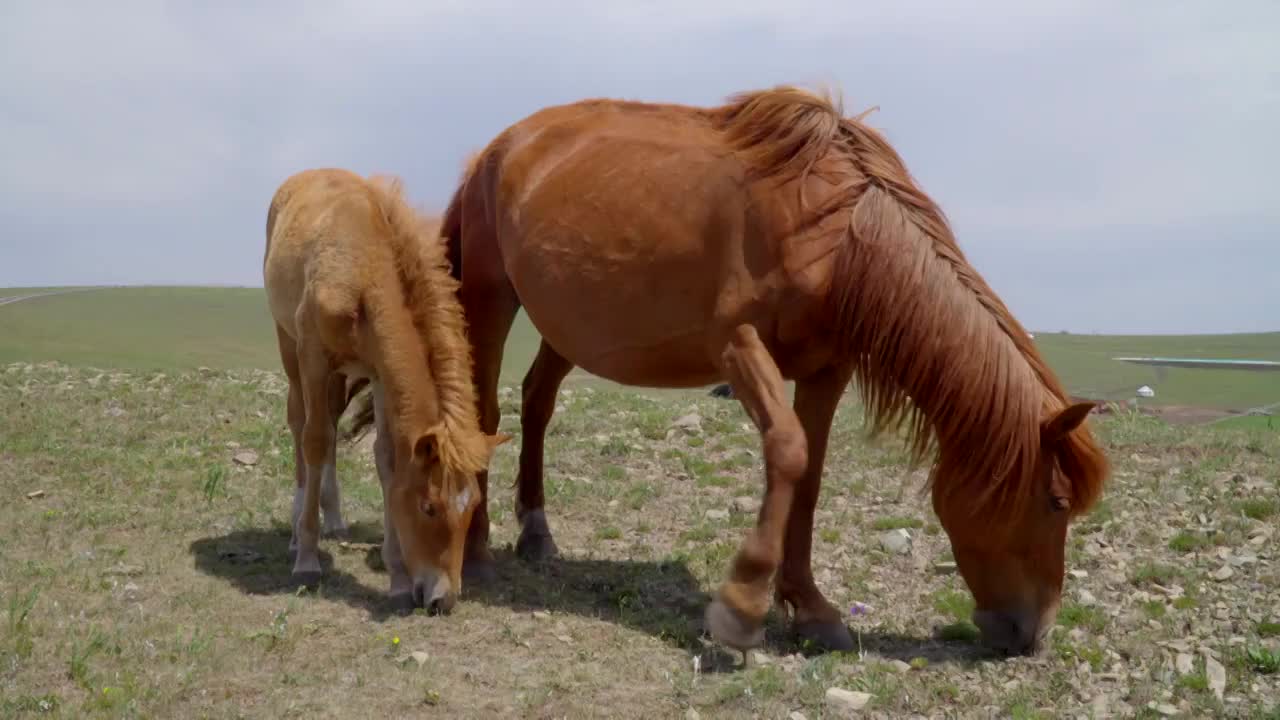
(1084, 597)
(901, 666)
(847, 699)
(746, 505)
(246, 457)
(797, 715)
(1216, 674)
(691, 714)
(1242, 560)
(1078, 574)
(418, 656)
(1184, 664)
(35, 494)
(946, 567)
(1164, 709)
(124, 570)
(760, 658)
(897, 541)
(1223, 573)
(541, 615)
(691, 422)
(717, 514)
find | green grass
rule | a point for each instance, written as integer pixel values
(1085, 364)
(172, 328)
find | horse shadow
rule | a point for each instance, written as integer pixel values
(660, 598)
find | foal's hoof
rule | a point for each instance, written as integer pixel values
(729, 628)
(824, 636)
(309, 579)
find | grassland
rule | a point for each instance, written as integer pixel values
(143, 572)
(168, 329)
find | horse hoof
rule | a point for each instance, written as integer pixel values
(309, 579)
(536, 547)
(728, 628)
(478, 571)
(826, 636)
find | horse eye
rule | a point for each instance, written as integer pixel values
(428, 509)
(1059, 504)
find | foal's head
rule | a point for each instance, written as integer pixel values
(1014, 567)
(431, 502)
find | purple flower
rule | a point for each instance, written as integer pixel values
(860, 609)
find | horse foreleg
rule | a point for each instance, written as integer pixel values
(401, 590)
(297, 416)
(541, 384)
(735, 617)
(814, 619)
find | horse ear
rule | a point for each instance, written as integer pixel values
(1064, 422)
(426, 449)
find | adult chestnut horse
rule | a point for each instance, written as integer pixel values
(359, 289)
(772, 238)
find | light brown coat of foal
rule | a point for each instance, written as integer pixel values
(770, 238)
(359, 288)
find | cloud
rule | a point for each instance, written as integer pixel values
(142, 140)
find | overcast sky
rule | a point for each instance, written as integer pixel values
(1108, 167)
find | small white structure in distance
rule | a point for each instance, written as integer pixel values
(1146, 391)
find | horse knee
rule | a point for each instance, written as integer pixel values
(787, 451)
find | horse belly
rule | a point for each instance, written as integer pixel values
(628, 324)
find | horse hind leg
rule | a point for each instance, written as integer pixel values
(736, 616)
(297, 415)
(815, 620)
(330, 496)
(318, 440)
(538, 402)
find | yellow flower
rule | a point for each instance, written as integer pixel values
(395, 640)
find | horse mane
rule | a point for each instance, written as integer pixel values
(430, 296)
(935, 350)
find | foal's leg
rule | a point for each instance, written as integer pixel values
(815, 619)
(736, 615)
(297, 415)
(401, 591)
(318, 437)
(490, 306)
(541, 384)
(330, 498)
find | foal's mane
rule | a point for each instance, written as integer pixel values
(935, 350)
(430, 297)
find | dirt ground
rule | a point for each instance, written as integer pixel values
(143, 572)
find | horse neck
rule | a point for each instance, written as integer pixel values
(399, 356)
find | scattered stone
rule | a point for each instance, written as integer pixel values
(246, 457)
(1243, 559)
(1078, 574)
(35, 494)
(1223, 573)
(797, 715)
(1084, 597)
(114, 411)
(946, 567)
(1164, 709)
(690, 423)
(746, 505)
(900, 666)
(691, 714)
(717, 514)
(417, 656)
(1184, 664)
(847, 699)
(897, 541)
(1216, 674)
(541, 615)
(124, 570)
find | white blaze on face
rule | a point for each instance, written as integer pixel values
(461, 500)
